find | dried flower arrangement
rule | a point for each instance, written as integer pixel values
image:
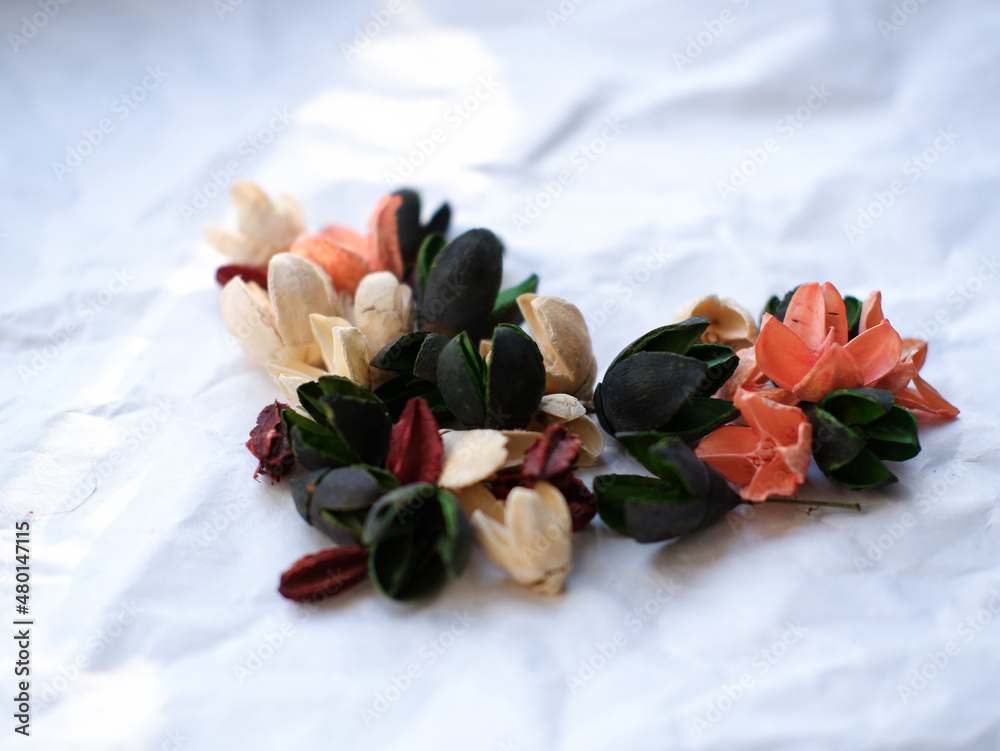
(424, 417)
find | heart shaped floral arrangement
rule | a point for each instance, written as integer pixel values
(427, 408)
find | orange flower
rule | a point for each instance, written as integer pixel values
(747, 376)
(810, 355)
(347, 256)
(768, 458)
(908, 388)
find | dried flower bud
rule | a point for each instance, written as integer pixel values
(269, 443)
(322, 575)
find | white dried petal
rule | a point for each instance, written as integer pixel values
(562, 407)
(383, 309)
(249, 318)
(471, 456)
(592, 438)
(265, 228)
(518, 443)
(290, 374)
(560, 331)
(534, 544)
(298, 289)
(344, 348)
(479, 498)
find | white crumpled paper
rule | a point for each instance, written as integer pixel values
(635, 155)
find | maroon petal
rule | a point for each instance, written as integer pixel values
(415, 447)
(582, 506)
(269, 443)
(552, 455)
(256, 274)
(324, 574)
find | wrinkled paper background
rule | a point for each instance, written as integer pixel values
(636, 155)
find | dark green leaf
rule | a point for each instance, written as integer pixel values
(462, 380)
(853, 306)
(645, 391)
(401, 355)
(863, 472)
(505, 308)
(721, 362)
(316, 446)
(857, 406)
(894, 436)
(516, 379)
(675, 337)
(834, 444)
(429, 250)
(699, 417)
(365, 425)
(427, 359)
(462, 285)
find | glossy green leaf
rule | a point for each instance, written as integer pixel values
(676, 338)
(893, 437)
(505, 309)
(316, 446)
(699, 417)
(857, 406)
(853, 306)
(720, 361)
(864, 472)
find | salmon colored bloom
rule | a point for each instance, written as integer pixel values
(347, 256)
(810, 355)
(768, 458)
(908, 388)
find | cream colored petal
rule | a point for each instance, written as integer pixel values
(471, 456)
(299, 288)
(344, 349)
(486, 350)
(707, 306)
(562, 407)
(250, 319)
(560, 331)
(534, 544)
(383, 309)
(265, 228)
(518, 443)
(290, 374)
(592, 437)
(735, 323)
(479, 498)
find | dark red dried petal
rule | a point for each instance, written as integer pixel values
(552, 455)
(324, 574)
(582, 506)
(269, 443)
(415, 447)
(256, 274)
